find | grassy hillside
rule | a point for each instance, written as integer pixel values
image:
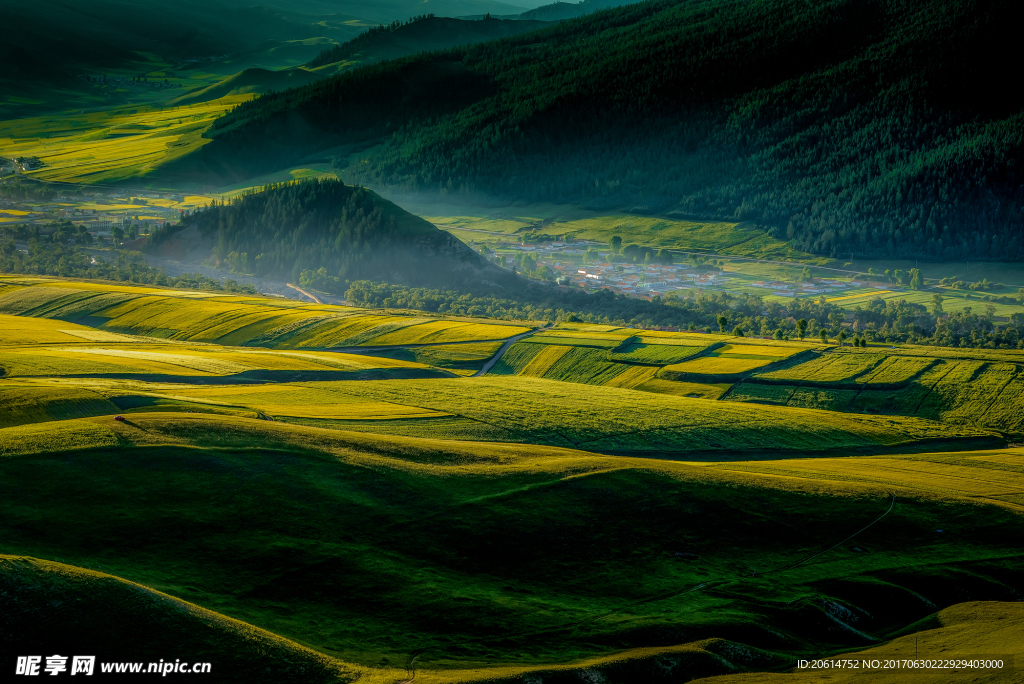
(712, 109)
(343, 232)
(367, 540)
(965, 628)
(73, 610)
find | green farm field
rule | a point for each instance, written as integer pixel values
(318, 484)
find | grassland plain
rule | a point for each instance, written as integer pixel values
(368, 539)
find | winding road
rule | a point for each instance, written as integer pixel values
(504, 348)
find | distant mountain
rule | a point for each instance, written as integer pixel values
(386, 11)
(869, 127)
(560, 11)
(48, 45)
(348, 231)
(421, 35)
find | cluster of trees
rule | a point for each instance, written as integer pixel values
(901, 321)
(19, 188)
(285, 229)
(56, 258)
(898, 276)
(881, 321)
(67, 233)
(844, 126)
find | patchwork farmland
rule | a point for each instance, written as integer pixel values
(305, 421)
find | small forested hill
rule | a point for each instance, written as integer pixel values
(350, 232)
(846, 126)
(421, 34)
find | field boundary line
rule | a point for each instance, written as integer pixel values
(996, 396)
(932, 387)
(410, 345)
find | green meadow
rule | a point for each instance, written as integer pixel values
(340, 495)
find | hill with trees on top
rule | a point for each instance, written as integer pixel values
(347, 231)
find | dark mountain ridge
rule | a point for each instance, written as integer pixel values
(848, 126)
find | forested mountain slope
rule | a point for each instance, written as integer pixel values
(348, 231)
(847, 126)
(420, 35)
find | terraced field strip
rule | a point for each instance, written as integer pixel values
(715, 366)
(236, 320)
(575, 340)
(446, 332)
(895, 370)
(172, 360)
(826, 369)
(654, 354)
(110, 145)
(542, 362)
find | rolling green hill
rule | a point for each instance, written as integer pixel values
(535, 556)
(851, 126)
(306, 490)
(77, 610)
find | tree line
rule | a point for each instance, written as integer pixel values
(880, 321)
(60, 253)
